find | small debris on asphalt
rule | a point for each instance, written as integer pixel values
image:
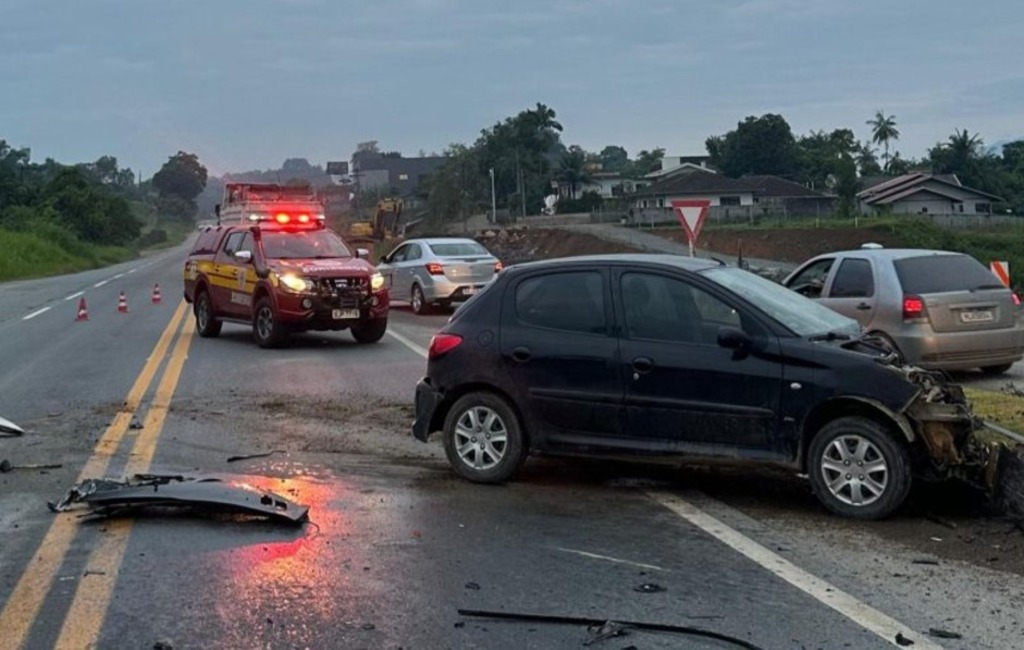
(943, 522)
(163, 645)
(233, 459)
(472, 585)
(10, 428)
(6, 466)
(135, 424)
(606, 630)
(460, 624)
(649, 588)
(902, 640)
(1010, 388)
(944, 634)
(936, 539)
(369, 626)
(925, 561)
(92, 572)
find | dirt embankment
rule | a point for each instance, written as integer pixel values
(517, 245)
(791, 245)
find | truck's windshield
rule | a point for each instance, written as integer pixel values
(304, 244)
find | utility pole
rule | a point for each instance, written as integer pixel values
(494, 202)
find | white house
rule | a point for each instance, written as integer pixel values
(923, 193)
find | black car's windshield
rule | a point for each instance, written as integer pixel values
(304, 244)
(802, 315)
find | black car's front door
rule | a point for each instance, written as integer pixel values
(685, 391)
(561, 358)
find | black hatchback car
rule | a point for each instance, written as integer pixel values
(662, 357)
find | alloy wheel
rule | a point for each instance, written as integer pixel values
(854, 470)
(481, 438)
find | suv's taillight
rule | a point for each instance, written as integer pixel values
(913, 308)
(435, 269)
(442, 343)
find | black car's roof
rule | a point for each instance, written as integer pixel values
(624, 259)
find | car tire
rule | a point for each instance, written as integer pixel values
(418, 301)
(207, 325)
(996, 370)
(832, 464)
(483, 438)
(267, 330)
(370, 331)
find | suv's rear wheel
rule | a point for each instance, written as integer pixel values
(206, 324)
(483, 438)
(996, 370)
(418, 301)
(370, 331)
(857, 469)
(266, 329)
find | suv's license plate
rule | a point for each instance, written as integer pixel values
(339, 314)
(979, 316)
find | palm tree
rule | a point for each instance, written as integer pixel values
(964, 147)
(883, 129)
(572, 169)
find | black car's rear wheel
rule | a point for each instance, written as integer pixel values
(206, 324)
(483, 438)
(857, 469)
(370, 331)
(266, 329)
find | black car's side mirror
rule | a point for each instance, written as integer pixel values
(736, 340)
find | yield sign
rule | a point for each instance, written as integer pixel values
(692, 214)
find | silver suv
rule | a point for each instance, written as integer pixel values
(938, 309)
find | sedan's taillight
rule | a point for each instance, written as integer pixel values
(433, 268)
(913, 308)
(443, 343)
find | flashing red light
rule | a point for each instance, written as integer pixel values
(282, 217)
(498, 266)
(303, 218)
(913, 307)
(443, 343)
(434, 268)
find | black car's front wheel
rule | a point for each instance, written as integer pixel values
(858, 469)
(483, 438)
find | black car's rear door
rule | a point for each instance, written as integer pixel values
(560, 357)
(684, 391)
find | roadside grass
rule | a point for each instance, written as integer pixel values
(33, 254)
(1000, 408)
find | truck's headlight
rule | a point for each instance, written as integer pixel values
(295, 283)
(376, 281)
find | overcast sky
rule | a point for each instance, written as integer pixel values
(247, 83)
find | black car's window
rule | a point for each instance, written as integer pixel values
(854, 279)
(810, 280)
(570, 301)
(666, 309)
(939, 273)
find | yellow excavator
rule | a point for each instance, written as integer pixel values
(385, 223)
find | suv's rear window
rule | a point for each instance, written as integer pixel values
(941, 273)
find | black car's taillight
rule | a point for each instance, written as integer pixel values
(443, 343)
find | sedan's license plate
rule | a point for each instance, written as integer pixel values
(339, 314)
(978, 316)
(469, 291)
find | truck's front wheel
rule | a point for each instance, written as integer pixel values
(206, 324)
(267, 330)
(370, 331)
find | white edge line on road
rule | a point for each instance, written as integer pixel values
(118, 276)
(409, 344)
(595, 556)
(36, 313)
(100, 284)
(132, 270)
(860, 613)
(75, 295)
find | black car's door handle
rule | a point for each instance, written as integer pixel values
(643, 364)
(863, 306)
(521, 354)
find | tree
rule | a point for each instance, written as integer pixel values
(613, 158)
(821, 154)
(846, 185)
(883, 130)
(866, 161)
(758, 145)
(181, 177)
(572, 169)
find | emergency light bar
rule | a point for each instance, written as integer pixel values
(288, 218)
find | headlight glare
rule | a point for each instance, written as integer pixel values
(376, 281)
(295, 283)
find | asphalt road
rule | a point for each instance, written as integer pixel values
(396, 544)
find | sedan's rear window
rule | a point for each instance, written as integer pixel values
(941, 273)
(457, 249)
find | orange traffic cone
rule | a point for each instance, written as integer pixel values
(156, 294)
(122, 304)
(83, 311)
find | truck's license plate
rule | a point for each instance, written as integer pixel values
(977, 316)
(339, 314)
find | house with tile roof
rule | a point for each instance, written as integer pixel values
(923, 193)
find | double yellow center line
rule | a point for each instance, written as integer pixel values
(82, 624)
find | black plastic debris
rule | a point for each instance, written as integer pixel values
(10, 428)
(7, 466)
(902, 640)
(649, 588)
(943, 634)
(106, 496)
(606, 630)
(235, 459)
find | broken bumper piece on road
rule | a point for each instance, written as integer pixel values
(108, 496)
